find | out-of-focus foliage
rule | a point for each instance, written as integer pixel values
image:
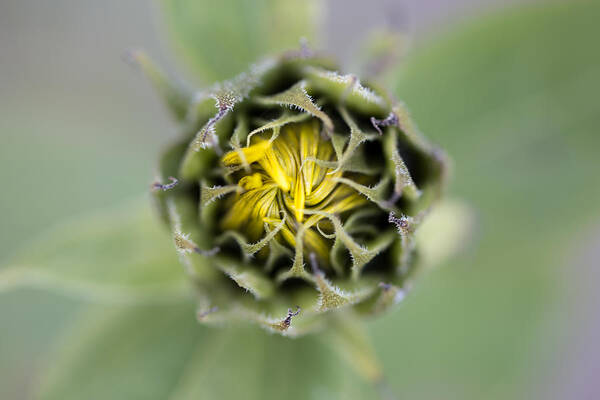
(219, 39)
(513, 99)
(122, 257)
(160, 352)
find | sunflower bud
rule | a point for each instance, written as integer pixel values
(298, 196)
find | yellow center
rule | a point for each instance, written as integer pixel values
(283, 176)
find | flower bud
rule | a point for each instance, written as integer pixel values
(298, 196)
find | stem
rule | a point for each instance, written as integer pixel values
(348, 337)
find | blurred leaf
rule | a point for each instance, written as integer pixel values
(379, 54)
(31, 321)
(122, 353)
(160, 352)
(220, 39)
(513, 99)
(122, 255)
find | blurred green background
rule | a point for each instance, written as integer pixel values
(511, 91)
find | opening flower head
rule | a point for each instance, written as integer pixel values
(303, 188)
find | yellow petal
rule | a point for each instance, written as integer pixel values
(272, 166)
(253, 181)
(299, 197)
(251, 154)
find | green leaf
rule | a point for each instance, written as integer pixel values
(122, 353)
(160, 352)
(513, 100)
(121, 255)
(220, 40)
